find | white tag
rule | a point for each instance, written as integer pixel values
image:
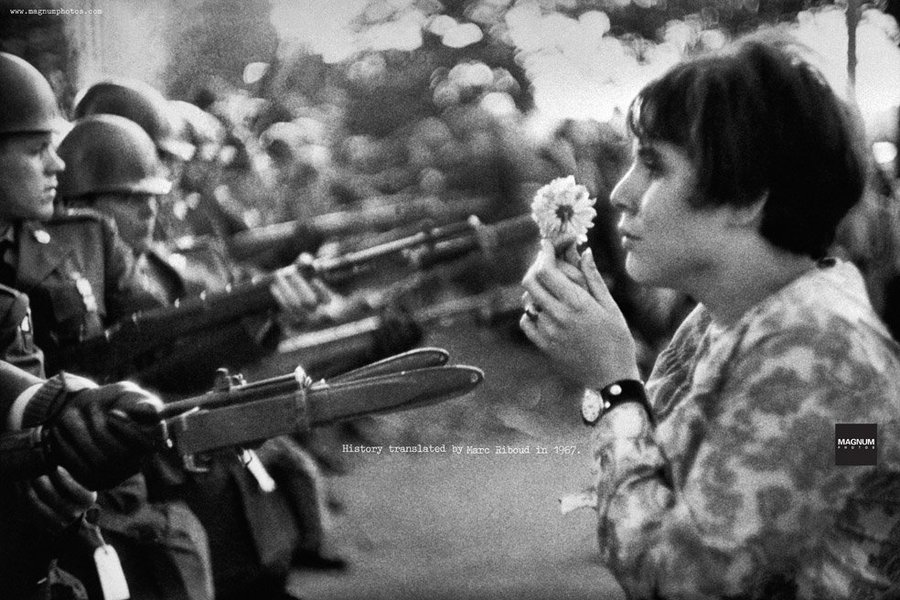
(109, 569)
(258, 470)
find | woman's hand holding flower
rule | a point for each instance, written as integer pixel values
(578, 324)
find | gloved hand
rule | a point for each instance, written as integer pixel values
(101, 434)
(57, 500)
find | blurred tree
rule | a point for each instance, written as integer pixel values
(212, 41)
(41, 40)
(391, 87)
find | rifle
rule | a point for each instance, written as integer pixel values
(271, 243)
(236, 414)
(328, 350)
(111, 354)
(319, 348)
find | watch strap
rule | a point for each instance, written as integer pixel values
(596, 403)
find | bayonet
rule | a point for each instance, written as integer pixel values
(247, 413)
(238, 414)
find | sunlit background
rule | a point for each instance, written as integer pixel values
(563, 58)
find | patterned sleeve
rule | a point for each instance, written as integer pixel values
(746, 501)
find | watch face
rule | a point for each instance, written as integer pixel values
(591, 406)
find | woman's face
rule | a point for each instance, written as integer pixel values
(667, 242)
(135, 216)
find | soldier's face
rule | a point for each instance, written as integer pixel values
(135, 216)
(28, 169)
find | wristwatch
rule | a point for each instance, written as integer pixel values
(596, 403)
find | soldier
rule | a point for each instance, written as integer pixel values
(255, 531)
(73, 413)
(112, 169)
(301, 167)
(143, 104)
(223, 186)
(73, 267)
(84, 438)
(36, 511)
(77, 272)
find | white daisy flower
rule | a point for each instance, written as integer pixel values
(563, 211)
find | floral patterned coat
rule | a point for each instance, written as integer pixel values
(735, 493)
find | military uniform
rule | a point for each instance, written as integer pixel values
(79, 276)
(199, 263)
(25, 549)
(255, 531)
(20, 564)
(17, 332)
(188, 268)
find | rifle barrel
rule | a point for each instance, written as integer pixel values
(323, 266)
(108, 354)
(375, 215)
(487, 304)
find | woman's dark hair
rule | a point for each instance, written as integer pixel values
(756, 119)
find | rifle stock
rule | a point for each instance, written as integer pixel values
(111, 355)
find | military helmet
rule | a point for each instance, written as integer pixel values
(141, 103)
(28, 104)
(109, 154)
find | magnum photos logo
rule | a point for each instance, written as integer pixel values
(855, 444)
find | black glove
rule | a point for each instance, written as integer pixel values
(100, 435)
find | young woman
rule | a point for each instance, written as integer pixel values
(720, 477)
